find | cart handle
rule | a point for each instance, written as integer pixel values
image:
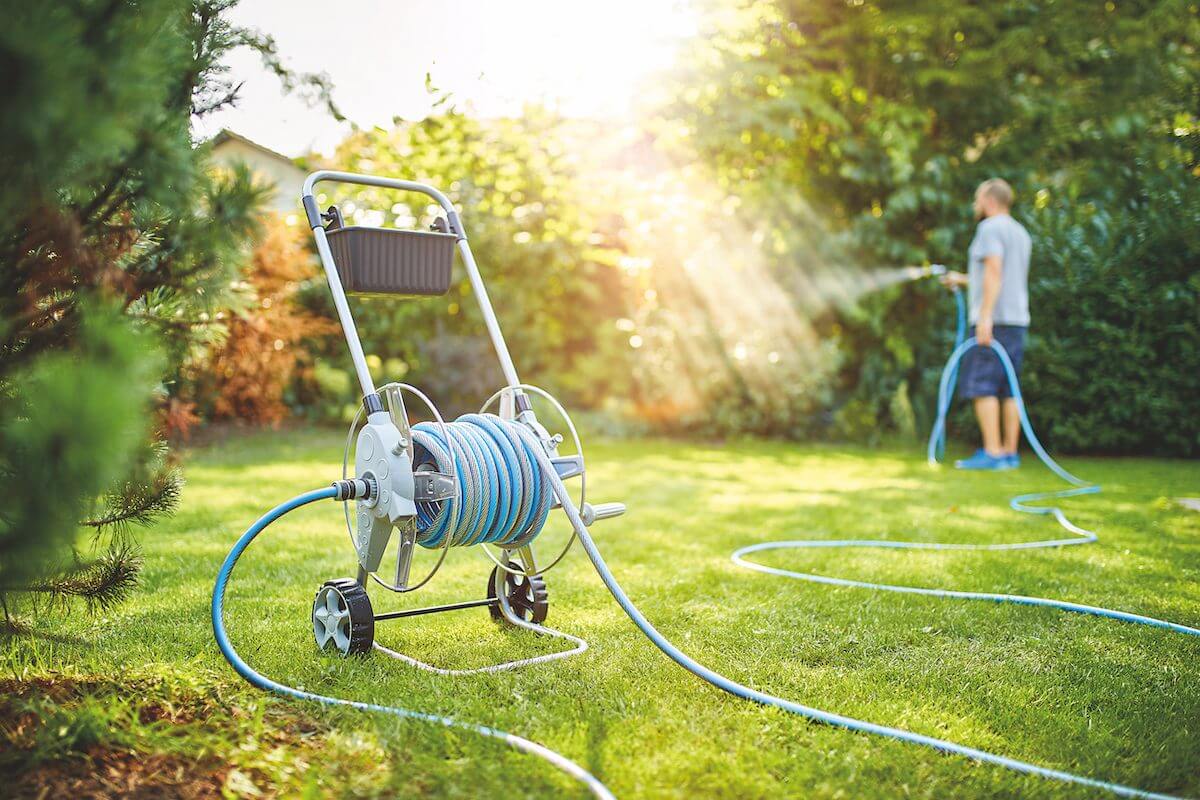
(313, 211)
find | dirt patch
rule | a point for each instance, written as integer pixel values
(100, 770)
(115, 735)
(56, 689)
(65, 690)
(102, 774)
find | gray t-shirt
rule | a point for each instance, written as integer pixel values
(1001, 236)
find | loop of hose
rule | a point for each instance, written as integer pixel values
(504, 495)
(1019, 503)
(815, 714)
(261, 681)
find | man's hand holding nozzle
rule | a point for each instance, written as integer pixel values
(953, 280)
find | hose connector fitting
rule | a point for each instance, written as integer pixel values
(353, 489)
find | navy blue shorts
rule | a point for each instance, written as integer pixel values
(981, 374)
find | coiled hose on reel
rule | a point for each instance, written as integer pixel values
(503, 497)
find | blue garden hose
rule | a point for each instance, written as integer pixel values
(501, 498)
(1019, 503)
(937, 436)
(960, 308)
(828, 717)
(261, 681)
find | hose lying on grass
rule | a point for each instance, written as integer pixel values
(1019, 503)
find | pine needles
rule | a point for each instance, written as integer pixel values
(100, 583)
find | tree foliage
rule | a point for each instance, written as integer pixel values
(548, 271)
(118, 246)
(252, 377)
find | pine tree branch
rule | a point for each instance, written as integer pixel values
(100, 584)
(315, 87)
(139, 502)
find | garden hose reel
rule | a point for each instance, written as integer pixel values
(436, 485)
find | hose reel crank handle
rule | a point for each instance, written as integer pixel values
(594, 513)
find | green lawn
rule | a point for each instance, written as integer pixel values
(1106, 699)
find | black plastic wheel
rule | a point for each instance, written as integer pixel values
(342, 617)
(527, 596)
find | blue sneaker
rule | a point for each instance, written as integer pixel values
(1014, 461)
(981, 460)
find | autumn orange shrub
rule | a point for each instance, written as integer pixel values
(263, 351)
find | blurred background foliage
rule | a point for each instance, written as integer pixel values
(715, 269)
(884, 116)
(723, 266)
(257, 370)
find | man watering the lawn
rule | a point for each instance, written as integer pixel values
(997, 282)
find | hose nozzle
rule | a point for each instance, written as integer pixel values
(931, 271)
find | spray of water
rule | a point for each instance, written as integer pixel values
(717, 296)
(879, 278)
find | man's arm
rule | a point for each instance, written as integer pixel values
(993, 271)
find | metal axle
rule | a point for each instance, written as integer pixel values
(416, 612)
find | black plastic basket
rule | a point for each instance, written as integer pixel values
(383, 261)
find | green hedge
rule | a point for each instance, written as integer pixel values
(1114, 357)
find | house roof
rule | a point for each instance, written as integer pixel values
(226, 135)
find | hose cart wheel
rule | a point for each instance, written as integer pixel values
(526, 595)
(342, 616)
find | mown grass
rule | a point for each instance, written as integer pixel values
(1106, 699)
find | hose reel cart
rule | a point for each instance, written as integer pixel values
(477, 480)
